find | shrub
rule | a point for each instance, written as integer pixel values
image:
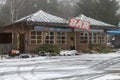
(104, 50)
(52, 49)
(99, 48)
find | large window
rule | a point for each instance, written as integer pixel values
(83, 37)
(101, 37)
(96, 38)
(92, 37)
(49, 37)
(39, 37)
(60, 37)
(36, 37)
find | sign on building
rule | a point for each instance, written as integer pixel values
(76, 23)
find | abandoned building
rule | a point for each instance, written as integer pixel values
(27, 33)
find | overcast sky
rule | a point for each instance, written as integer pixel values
(2, 1)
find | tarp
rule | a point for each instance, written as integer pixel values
(116, 31)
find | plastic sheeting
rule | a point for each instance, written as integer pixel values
(116, 31)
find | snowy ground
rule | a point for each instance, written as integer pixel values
(81, 67)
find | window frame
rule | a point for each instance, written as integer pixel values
(82, 35)
(60, 39)
(36, 37)
(93, 37)
(49, 37)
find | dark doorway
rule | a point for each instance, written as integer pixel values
(72, 41)
(22, 43)
(72, 46)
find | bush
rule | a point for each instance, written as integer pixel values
(100, 48)
(52, 49)
(104, 50)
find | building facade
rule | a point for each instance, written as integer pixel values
(30, 32)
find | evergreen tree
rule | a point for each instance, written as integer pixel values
(52, 7)
(104, 10)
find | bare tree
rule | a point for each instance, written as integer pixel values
(16, 9)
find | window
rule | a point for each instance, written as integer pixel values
(83, 37)
(92, 38)
(49, 37)
(101, 38)
(36, 37)
(60, 37)
(39, 37)
(96, 38)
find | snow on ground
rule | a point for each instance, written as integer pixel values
(80, 67)
(109, 77)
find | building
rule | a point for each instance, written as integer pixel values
(114, 37)
(27, 33)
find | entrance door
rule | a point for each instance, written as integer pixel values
(72, 41)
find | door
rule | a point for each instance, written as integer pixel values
(72, 41)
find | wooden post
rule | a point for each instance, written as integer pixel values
(18, 41)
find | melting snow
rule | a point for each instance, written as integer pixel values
(57, 67)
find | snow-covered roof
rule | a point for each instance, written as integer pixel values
(42, 16)
(93, 21)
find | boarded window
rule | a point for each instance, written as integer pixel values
(5, 38)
